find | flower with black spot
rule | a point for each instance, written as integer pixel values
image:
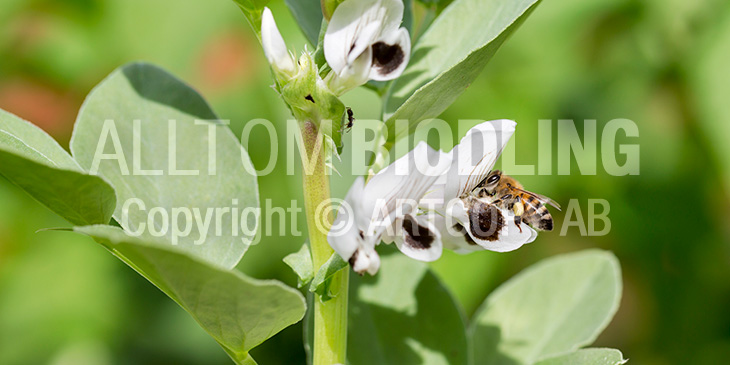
(364, 41)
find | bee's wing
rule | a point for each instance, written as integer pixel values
(542, 198)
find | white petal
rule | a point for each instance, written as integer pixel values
(419, 239)
(344, 237)
(476, 154)
(352, 75)
(405, 180)
(365, 261)
(510, 237)
(274, 46)
(390, 63)
(353, 27)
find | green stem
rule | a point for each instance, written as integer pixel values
(330, 317)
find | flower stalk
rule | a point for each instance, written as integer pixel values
(330, 317)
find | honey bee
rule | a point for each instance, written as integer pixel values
(508, 193)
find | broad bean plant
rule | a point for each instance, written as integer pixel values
(147, 145)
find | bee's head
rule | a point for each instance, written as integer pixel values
(492, 180)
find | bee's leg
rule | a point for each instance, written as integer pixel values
(518, 208)
(504, 201)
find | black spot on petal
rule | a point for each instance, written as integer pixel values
(417, 236)
(309, 97)
(387, 57)
(486, 221)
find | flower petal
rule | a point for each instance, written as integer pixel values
(404, 181)
(390, 55)
(419, 239)
(365, 260)
(354, 26)
(476, 154)
(274, 45)
(352, 75)
(490, 227)
(344, 236)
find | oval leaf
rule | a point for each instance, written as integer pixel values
(448, 57)
(404, 315)
(551, 308)
(35, 162)
(144, 119)
(238, 311)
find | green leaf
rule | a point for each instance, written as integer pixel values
(551, 308)
(35, 162)
(448, 57)
(237, 311)
(252, 10)
(308, 14)
(173, 129)
(404, 315)
(323, 278)
(596, 356)
(301, 263)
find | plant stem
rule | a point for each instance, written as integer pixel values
(330, 317)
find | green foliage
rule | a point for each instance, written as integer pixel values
(554, 307)
(253, 9)
(310, 100)
(34, 161)
(323, 278)
(587, 357)
(448, 57)
(239, 312)
(175, 129)
(404, 315)
(308, 14)
(301, 263)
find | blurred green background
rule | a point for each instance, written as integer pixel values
(662, 63)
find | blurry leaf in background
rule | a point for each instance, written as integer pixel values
(712, 91)
(239, 312)
(34, 161)
(587, 357)
(555, 306)
(449, 56)
(166, 110)
(404, 315)
(308, 14)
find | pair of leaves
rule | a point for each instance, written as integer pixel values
(542, 316)
(239, 312)
(319, 282)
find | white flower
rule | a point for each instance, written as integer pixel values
(468, 223)
(274, 46)
(364, 41)
(387, 209)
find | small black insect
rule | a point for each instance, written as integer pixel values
(310, 98)
(350, 118)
